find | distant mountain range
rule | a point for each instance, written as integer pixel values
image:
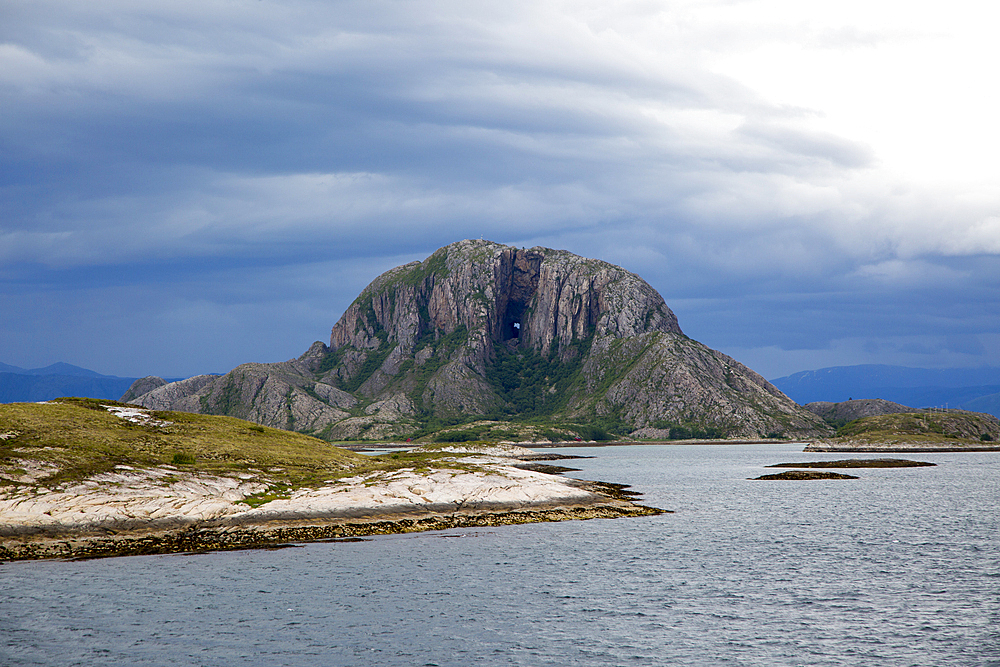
(976, 389)
(28, 385)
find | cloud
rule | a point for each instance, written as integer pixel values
(717, 148)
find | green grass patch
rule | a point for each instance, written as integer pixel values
(279, 492)
(82, 438)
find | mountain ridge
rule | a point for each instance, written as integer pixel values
(483, 330)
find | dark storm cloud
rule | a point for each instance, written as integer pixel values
(184, 171)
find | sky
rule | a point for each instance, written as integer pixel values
(186, 186)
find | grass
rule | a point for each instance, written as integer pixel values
(921, 427)
(83, 439)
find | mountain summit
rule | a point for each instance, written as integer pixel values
(487, 331)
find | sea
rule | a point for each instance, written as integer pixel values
(898, 567)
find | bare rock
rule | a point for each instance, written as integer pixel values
(848, 411)
(440, 337)
(167, 395)
(142, 386)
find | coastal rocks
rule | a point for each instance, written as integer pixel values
(805, 475)
(857, 463)
(200, 539)
(162, 509)
(483, 329)
(122, 500)
(129, 498)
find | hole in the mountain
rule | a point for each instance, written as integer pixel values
(519, 292)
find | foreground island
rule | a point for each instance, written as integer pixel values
(81, 478)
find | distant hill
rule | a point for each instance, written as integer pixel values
(973, 427)
(60, 368)
(24, 385)
(975, 389)
(838, 414)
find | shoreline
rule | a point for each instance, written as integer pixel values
(202, 538)
(818, 446)
(587, 443)
(165, 510)
(894, 449)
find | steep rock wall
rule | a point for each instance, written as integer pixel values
(423, 342)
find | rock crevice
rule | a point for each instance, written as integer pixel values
(434, 332)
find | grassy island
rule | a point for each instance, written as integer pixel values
(84, 478)
(918, 431)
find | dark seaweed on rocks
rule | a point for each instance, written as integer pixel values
(856, 463)
(806, 474)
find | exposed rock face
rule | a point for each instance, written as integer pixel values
(484, 329)
(166, 396)
(143, 386)
(848, 411)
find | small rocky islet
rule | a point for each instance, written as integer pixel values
(844, 463)
(805, 474)
(856, 463)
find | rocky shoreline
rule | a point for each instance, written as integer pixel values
(196, 539)
(896, 447)
(165, 510)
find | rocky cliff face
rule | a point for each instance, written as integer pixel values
(482, 329)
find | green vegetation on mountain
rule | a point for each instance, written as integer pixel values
(481, 331)
(532, 384)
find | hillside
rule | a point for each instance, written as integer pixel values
(956, 425)
(839, 414)
(954, 430)
(72, 439)
(86, 478)
(484, 331)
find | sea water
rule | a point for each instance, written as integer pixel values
(898, 567)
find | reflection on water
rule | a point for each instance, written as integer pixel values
(899, 567)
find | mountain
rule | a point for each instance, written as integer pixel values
(58, 368)
(20, 385)
(976, 389)
(480, 330)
